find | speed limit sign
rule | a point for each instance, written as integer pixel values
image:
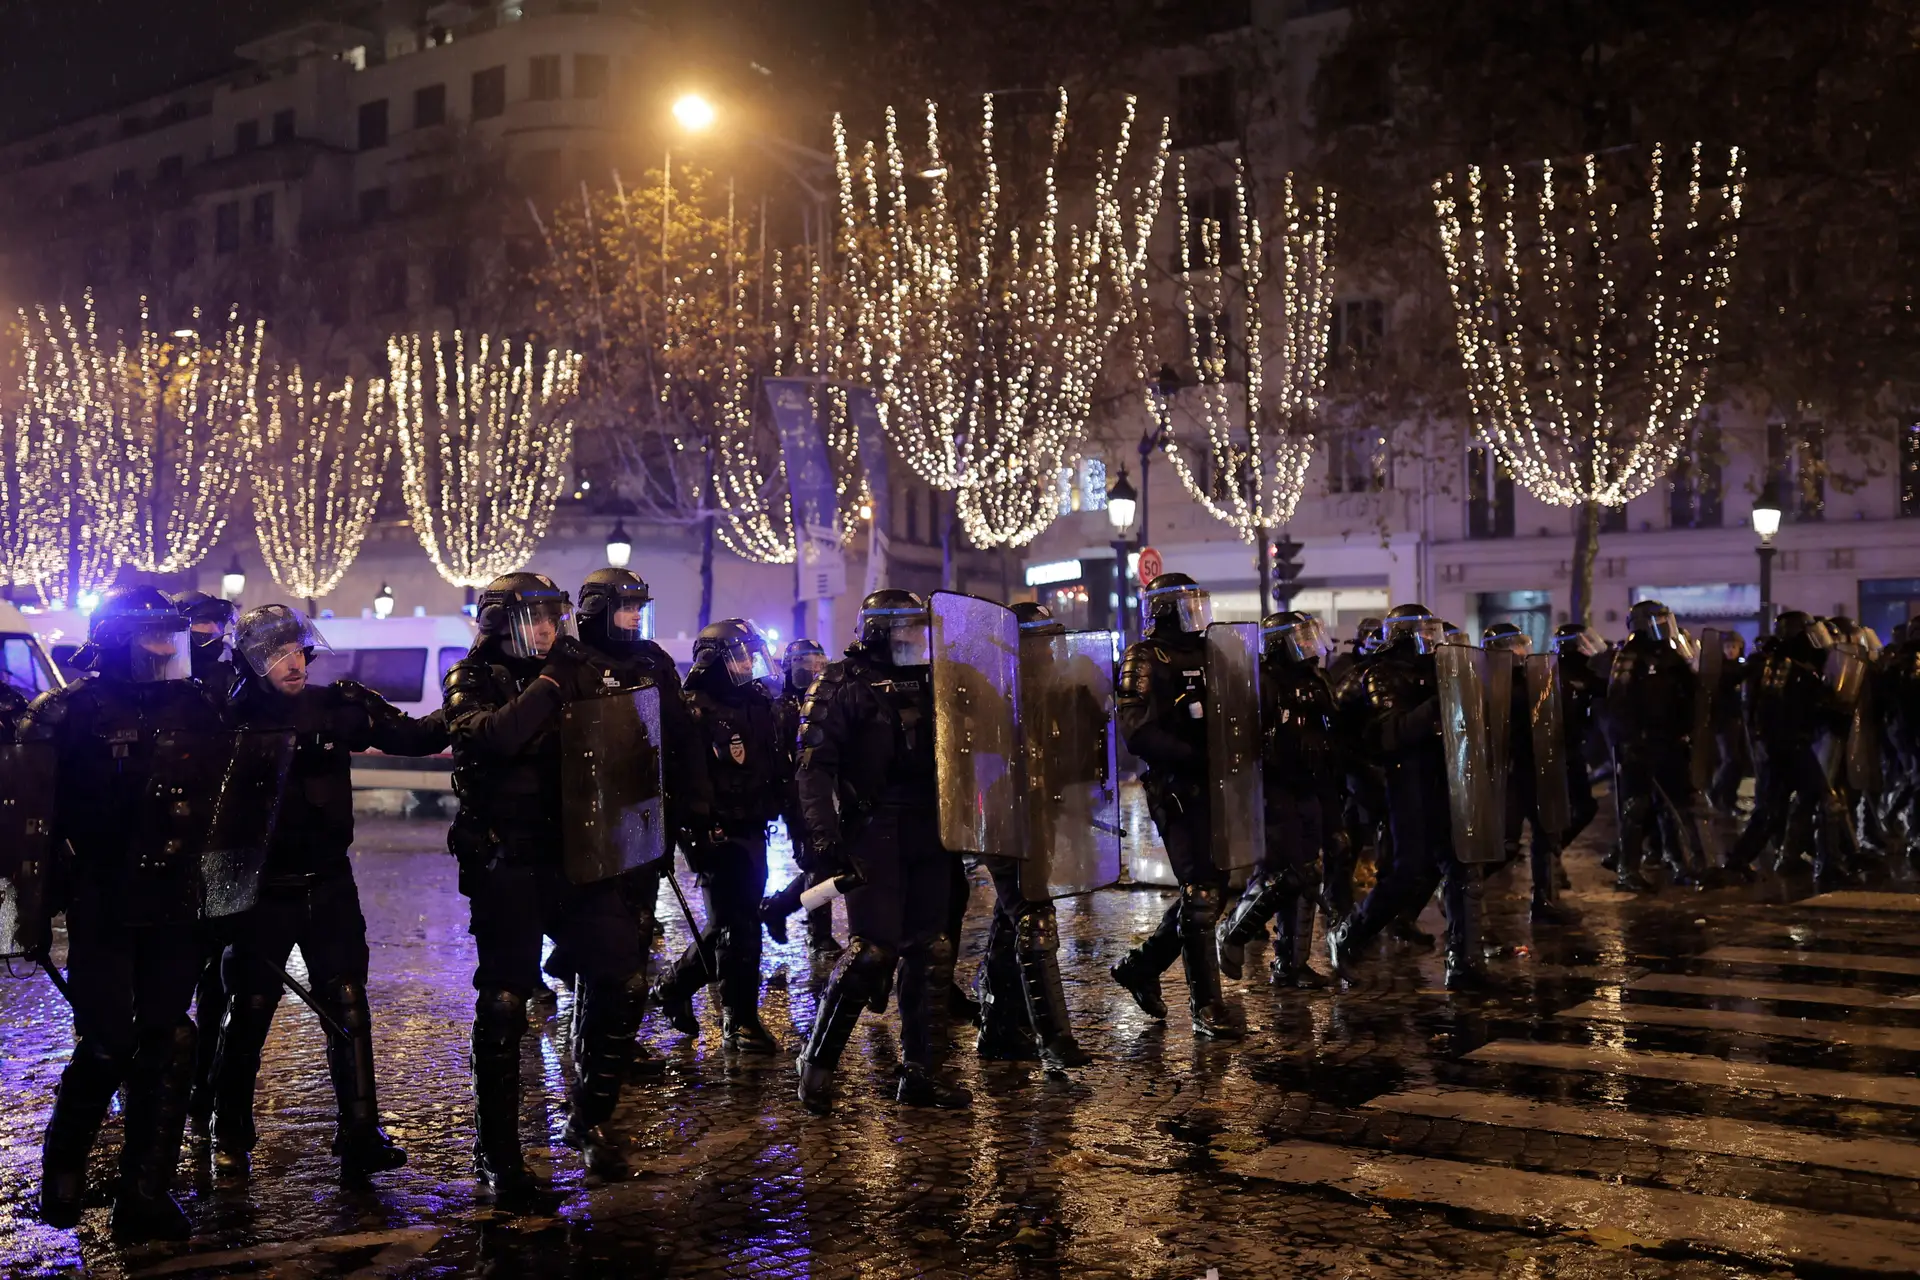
(1150, 566)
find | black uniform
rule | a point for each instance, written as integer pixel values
(1897, 694)
(1523, 803)
(1582, 696)
(1162, 707)
(775, 910)
(1648, 721)
(308, 898)
(1790, 708)
(867, 797)
(1301, 773)
(1733, 760)
(736, 737)
(133, 899)
(504, 719)
(1396, 712)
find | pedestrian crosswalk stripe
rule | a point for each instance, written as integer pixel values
(1906, 965)
(1758, 1024)
(1688, 984)
(1703, 1069)
(1615, 1212)
(1862, 900)
(1713, 1135)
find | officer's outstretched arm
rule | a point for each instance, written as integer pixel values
(477, 718)
(385, 727)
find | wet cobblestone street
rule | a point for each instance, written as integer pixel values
(1684, 1085)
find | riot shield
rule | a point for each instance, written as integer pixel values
(1864, 773)
(1705, 742)
(1552, 789)
(976, 725)
(243, 821)
(26, 843)
(1235, 782)
(1478, 823)
(184, 778)
(612, 806)
(1496, 678)
(1072, 784)
(1846, 676)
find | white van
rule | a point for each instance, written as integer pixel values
(401, 659)
(26, 665)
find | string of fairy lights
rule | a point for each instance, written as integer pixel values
(321, 452)
(1588, 395)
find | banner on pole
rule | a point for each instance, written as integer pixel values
(815, 504)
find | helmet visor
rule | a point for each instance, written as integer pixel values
(1298, 641)
(1819, 635)
(630, 617)
(533, 627)
(1583, 642)
(161, 649)
(1662, 626)
(1427, 633)
(744, 662)
(1190, 607)
(269, 642)
(1521, 643)
(910, 644)
(1686, 645)
(805, 668)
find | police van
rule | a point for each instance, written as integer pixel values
(26, 663)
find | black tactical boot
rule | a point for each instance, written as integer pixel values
(362, 1145)
(1139, 971)
(922, 980)
(209, 1013)
(674, 995)
(605, 1014)
(1466, 966)
(918, 1087)
(236, 1068)
(1290, 966)
(158, 1084)
(499, 1022)
(1248, 920)
(862, 969)
(1037, 946)
(777, 906)
(87, 1087)
(738, 958)
(1005, 1035)
(1199, 951)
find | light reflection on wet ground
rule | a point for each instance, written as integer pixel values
(1543, 1153)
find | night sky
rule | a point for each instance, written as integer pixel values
(64, 58)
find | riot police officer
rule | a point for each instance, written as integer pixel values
(1523, 798)
(801, 666)
(737, 738)
(210, 630)
(504, 705)
(133, 900)
(1582, 692)
(1790, 708)
(1648, 721)
(1302, 796)
(868, 799)
(1023, 1004)
(307, 893)
(1396, 710)
(1162, 712)
(1733, 760)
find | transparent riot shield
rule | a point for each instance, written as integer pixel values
(1478, 824)
(185, 774)
(26, 844)
(1235, 783)
(1864, 772)
(1705, 744)
(612, 806)
(976, 725)
(1552, 791)
(1496, 678)
(1072, 791)
(244, 819)
(1846, 677)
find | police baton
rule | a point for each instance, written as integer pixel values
(45, 960)
(327, 1020)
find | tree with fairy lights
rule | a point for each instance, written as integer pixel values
(1587, 302)
(983, 330)
(320, 452)
(484, 427)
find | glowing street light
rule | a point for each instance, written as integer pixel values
(694, 112)
(383, 603)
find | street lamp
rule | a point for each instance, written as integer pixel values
(1766, 523)
(694, 112)
(1122, 501)
(383, 603)
(619, 546)
(234, 580)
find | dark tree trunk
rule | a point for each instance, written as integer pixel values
(1586, 549)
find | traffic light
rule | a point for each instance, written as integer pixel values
(1286, 570)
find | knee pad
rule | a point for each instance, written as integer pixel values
(499, 1016)
(349, 1001)
(1037, 929)
(1202, 898)
(256, 1006)
(870, 961)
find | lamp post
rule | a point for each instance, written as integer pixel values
(1766, 523)
(383, 602)
(619, 546)
(1122, 501)
(234, 581)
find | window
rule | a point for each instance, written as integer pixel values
(589, 75)
(1358, 327)
(226, 227)
(21, 669)
(140, 249)
(1212, 229)
(390, 286)
(489, 93)
(186, 244)
(1797, 467)
(283, 125)
(1489, 495)
(1693, 499)
(1910, 466)
(263, 218)
(1531, 611)
(1211, 341)
(1206, 112)
(171, 169)
(429, 106)
(124, 182)
(398, 675)
(543, 77)
(449, 275)
(375, 204)
(373, 124)
(1358, 461)
(246, 136)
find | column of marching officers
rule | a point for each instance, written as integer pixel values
(116, 785)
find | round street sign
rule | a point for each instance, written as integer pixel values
(1150, 566)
